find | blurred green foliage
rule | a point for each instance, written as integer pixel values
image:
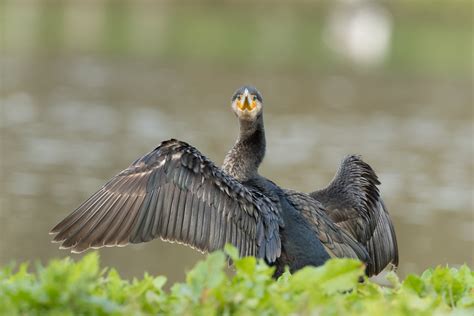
(428, 36)
(65, 287)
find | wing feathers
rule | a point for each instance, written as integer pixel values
(145, 218)
(63, 228)
(84, 221)
(93, 224)
(179, 195)
(101, 234)
(191, 237)
(352, 200)
(336, 241)
(187, 215)
(166, 210)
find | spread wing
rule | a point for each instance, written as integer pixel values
(353, 202)
(177, 194)
(335, 240)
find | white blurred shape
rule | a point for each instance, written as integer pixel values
(360, 31)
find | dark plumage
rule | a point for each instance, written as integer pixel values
(177, 194)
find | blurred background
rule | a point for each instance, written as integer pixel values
(88, 86)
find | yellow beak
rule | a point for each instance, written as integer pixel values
(246, 103)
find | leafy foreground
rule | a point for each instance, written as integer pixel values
(65, 287)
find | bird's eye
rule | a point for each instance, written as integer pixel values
(255, 98)
(237, 97)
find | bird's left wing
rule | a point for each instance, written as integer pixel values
(177, 194)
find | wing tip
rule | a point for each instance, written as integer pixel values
(56, 229)
(54, 241)
(357, 161)
(77, 251)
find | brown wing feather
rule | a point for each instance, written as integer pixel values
(352, 200)
(177, 194)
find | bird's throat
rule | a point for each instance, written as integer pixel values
(244, 158)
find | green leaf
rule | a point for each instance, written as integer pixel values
(231, 251)
(65, 287)
(414, 283)
(334, 276)
(159, 282)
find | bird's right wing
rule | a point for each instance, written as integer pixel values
(353, 202)
(177, 194)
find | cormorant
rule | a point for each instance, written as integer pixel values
(176, 193)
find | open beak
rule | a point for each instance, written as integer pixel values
(246, 102)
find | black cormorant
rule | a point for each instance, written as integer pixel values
(176, 193)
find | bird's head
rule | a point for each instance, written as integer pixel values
(247, 103)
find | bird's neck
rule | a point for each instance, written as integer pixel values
(244, 158)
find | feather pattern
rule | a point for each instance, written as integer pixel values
(335, 240)
(352, 200)
(177, 194)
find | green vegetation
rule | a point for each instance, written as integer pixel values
(83, 288)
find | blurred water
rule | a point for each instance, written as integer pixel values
(67, 125)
